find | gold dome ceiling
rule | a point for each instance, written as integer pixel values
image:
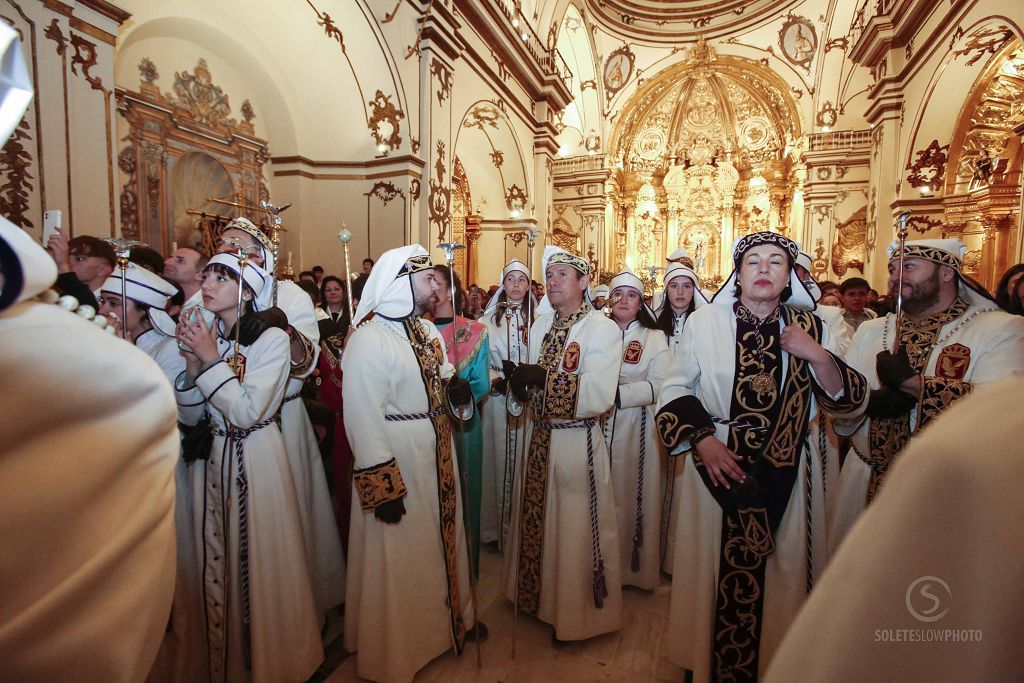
(676, 20)
(707, 107)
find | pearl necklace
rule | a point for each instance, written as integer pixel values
(964, 319)
(72, 305)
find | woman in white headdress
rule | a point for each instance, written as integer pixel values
(681, 297)
(148, 325)
(508, 316)
(740, 405)
(260, 619)
(629, 432)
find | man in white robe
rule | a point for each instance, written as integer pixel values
(755, 368)
(408, 598)
(565, 566)
(952, 339)
(926, 585)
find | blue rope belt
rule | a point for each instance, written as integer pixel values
(235, 441)
(599, 585)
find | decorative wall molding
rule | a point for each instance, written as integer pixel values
(184, 148)
(383, 117)
(850, 243)
(929, 167)
(15, 166)
(986, 40)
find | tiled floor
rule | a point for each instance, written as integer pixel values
(634, 653)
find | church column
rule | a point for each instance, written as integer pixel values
(629, 253)
(472, 252)
(545, 147)
(610, 228)
(995, 250)
(672, 225)
(438, 51)
(593, 232)
(799, 228)
(775, 221)
(728, 235)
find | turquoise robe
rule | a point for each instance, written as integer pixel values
(474, 366)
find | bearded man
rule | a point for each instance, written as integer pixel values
(952, 339)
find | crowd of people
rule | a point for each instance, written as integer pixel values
(549, 428)
(361, 452)
(175, 514)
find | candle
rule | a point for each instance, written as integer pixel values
(289, 259)
(174, 247)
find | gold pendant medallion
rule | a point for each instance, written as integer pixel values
(763, 383)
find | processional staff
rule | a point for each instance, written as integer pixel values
(449, 249)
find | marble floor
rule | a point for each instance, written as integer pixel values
(636, 653)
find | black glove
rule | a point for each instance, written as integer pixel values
(527, 375)
(886, 402)
(254, 324)
(499, 386)
(894, 368)
(507, 368)
(459, 392)
(390, 512)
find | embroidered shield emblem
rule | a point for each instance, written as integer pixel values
(631, 354)
(953, 362)
(571, 359)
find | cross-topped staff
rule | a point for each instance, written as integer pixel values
(901, 235)
(449, 249)
(123, 250)
(345, 236)
(275, 212)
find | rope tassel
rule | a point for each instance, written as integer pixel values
(600, 586)
(638, 523)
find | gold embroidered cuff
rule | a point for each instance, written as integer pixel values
(379, 484)
(855, 389)
(300, 368)
(561, 391)
(683, 419)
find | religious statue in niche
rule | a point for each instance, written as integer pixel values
(697, 244)
(617, 69)
(798, 40)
